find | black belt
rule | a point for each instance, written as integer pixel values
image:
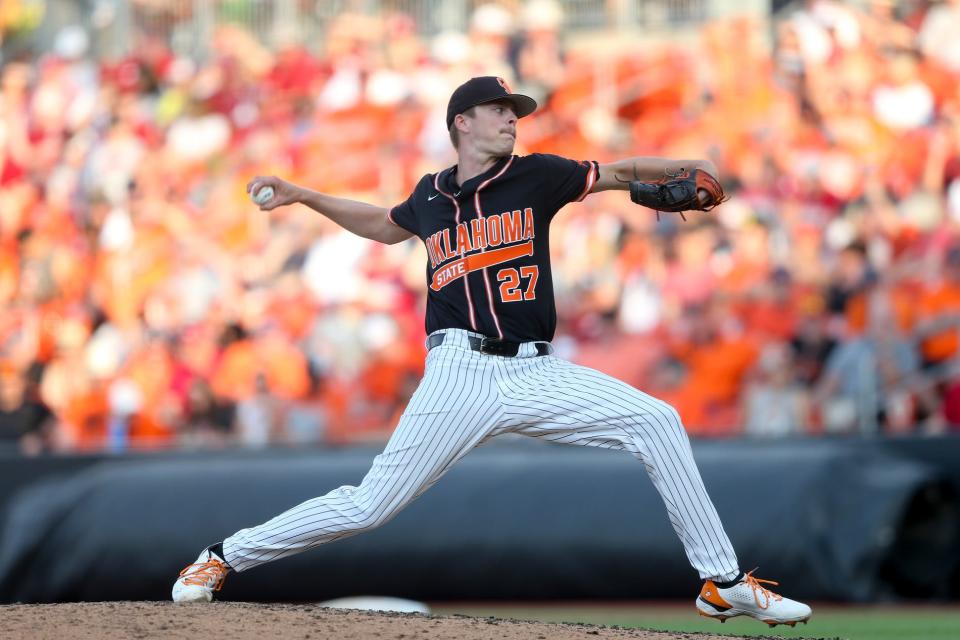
(492, 346)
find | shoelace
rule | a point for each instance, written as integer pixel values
(754, 583)
(212, 569)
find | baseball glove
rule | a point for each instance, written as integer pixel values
(678, 192)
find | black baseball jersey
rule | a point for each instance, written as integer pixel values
(488, 243)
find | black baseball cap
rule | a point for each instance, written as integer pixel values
(487, 89)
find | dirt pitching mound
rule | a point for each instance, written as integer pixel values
(247, 621)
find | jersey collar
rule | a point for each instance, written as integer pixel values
(449, 178)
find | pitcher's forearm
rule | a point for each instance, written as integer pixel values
(365, 220)
(617, 175)
(647, 169)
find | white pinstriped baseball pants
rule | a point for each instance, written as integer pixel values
(467, 397)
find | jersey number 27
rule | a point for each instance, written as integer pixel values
(509, 281)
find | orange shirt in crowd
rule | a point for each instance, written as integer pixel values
(152, 370)
(708, 398)
(147, 431)
(283, 366)
(934, 303)
(903, 305)
(286, 369)
(85, 420)
(236, 373)
(9, 272)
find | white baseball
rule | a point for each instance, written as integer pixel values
(263, 195)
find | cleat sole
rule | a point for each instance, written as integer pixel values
(791, 623)
(770, 623)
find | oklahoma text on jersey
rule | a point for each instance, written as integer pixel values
(475, 236)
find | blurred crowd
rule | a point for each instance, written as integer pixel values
(146, 303)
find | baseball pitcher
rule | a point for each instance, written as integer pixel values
(490, 319)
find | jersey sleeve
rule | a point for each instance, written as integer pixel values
(565, 180)
(405, 214)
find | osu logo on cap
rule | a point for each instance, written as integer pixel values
(503, 83)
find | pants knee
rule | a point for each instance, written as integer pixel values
(359, 515)
(370, 520)
(370, 517)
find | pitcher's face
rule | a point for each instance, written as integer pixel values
(493, 128)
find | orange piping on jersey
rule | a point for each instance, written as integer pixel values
(486, 278)
(466, 285)
(591, 178)
(477, 261)
(390, 218)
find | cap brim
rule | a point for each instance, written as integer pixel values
(525, 105)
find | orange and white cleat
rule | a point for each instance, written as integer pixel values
(198, 581)
(747, 597)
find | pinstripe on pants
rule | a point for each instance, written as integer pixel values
(466, 398)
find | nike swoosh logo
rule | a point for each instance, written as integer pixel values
(436, 195)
